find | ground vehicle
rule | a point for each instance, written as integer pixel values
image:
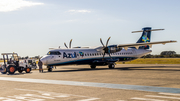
(11, 64)
(28, 63)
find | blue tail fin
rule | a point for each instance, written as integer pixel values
(146, 37)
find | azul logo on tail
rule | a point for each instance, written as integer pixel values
(145, 38)
(146, 35)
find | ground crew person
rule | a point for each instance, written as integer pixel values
(40, 66)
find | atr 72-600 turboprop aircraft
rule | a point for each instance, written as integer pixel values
(103, 55)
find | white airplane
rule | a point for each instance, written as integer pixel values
(102, 55)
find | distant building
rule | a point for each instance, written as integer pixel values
(168, 53)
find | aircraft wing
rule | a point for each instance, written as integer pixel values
(136, 45)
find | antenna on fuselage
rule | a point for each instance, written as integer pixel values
(69, 44)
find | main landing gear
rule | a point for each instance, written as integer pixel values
(93, 66)
(111, 66)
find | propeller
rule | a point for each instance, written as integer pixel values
(105, 48)
(69, 44)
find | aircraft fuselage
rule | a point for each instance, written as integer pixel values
(89, 56)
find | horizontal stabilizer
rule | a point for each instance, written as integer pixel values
(147, 30)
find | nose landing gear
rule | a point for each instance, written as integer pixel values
(49, 68)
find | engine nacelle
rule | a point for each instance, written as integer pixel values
(113, 49)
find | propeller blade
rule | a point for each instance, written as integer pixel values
(65, 45)
(109, 55)
(105, 48)
(103, 56)
(107, 41)
(70, 43)
(101, 42)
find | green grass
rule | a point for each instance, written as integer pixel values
(154, 61)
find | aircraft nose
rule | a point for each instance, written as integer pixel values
(44, 60)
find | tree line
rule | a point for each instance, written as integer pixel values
(164, 54)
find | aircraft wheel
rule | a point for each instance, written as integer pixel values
(49, 69)
(111, 66)
(12, 69)
(4, 71)
(93, 66)
(28, 70)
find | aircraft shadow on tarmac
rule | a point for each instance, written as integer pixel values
(150, 68)
(79, 69)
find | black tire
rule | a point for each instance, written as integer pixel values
(49, 69)
(93, 66)
(4, 71)
(111, 66)
(11, 69)
(20, 69)
(28, 70)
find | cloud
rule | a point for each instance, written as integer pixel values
(12, 5)
(79, 11)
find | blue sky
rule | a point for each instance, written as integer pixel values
(31, 27)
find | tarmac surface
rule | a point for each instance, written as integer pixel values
(127, 82)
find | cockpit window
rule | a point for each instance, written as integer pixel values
(53, 53)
